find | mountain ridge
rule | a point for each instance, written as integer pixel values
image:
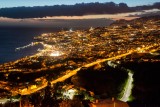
(72, 10)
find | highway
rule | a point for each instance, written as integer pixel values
(73, 72)
(70, 74)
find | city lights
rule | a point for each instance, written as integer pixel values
(56, 53)
(66, 53)
(70, 93)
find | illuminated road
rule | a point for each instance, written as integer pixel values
(128, 88)
(30, 91)
(73, 72)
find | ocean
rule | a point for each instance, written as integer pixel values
(11, 38)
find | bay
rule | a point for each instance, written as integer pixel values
(11, 38)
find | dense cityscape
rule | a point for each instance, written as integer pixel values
(65, 54)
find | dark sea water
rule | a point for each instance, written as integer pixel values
(11, 38)
(14, 37)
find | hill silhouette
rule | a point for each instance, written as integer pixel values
(72, 10)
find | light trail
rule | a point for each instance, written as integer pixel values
(129, 83)
(127, 88)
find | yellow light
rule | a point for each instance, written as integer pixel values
(33, 87)
(56, 53)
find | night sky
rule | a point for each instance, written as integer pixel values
(16, 3)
